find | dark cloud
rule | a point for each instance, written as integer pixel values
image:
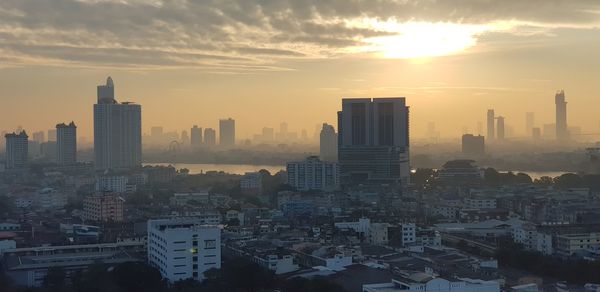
(243, 33)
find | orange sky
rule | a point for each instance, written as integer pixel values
(262, 63)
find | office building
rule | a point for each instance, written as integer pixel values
(66, 144)
(210, 137)
(117, 131)
(473, 145)
(313, 174)
(373, 141)
(490, 125)
(529, 123)
(39, 137)
(500, 135)
(562, 132)
(196, 136)
(328, 143)
(103, 207)
(183, 248)
(17, 148)
(227, 132)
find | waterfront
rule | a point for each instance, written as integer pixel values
(196, 168)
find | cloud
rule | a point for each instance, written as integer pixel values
(243, 35)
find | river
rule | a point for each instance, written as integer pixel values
(196, 168)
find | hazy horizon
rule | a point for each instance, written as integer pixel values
(263, 63)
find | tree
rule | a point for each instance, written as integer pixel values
(523, 178)
(543, 181)
(138, 277)
(568, 180)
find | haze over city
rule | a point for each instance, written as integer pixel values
(255, 61)
(299, 145)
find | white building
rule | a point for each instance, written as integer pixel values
(313, 174)
(112, 183)
(49, 198)
(183, 248)
(16, 150)
(423, 282)
(117, 131)
(480, 203)
(251, 183)
(66, 144)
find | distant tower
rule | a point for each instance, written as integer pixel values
(490, 125)
(529, 123)
(66, 144)
(227, 132)
(561, 116)
(196, 136)
(328, 143)
(16, 150)
(210, 137)
(500, 126)
(117, 131)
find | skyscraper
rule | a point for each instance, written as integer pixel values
(117, 131)
(210, 137)
(501, 130)
(490, 124)
(562, 132)
(529, 123)
(39, 137)
(16, 150)
(196, 136)
(227, 132)
(66, 141)
(328, 143)
(52, 135)
(373, 141)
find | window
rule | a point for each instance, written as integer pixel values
(210, 244)
(195, 259)
(195, 266)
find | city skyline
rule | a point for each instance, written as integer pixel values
(519, 56)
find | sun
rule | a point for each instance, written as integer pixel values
(421, 40)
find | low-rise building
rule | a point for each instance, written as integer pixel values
(103, 207)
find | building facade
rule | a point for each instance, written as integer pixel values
(227, 132)
(117, 131)
(183, 248)
(373, 141)
(196, 136)
(561, 116)
(313, 174)
(66, 144)
(210, 137)
(473, 145)
(328, 143)
(17, 150)
(104, 207)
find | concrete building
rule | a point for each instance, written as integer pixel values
(210, 137)
(66, 144)
(373, 145)
(529, 123)
(501, 131)
(473, 145)
(328, 143)
(117, 131)
(227, 132)
(39, 137)
(16, 150)
(562, 132)
(408, 281)
(52, 135)
(196, 136)
(183, 248)
(251, 183)
(114, 184)
(313, 174)
(28, 266)
(569, 244)
(491, 129)
(104, 207)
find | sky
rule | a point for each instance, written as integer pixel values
(262, 62)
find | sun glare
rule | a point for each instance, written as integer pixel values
(420, 40)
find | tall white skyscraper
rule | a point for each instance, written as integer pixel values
(16, 150)
(183, 248)
(328, 143)
(117, 131)
(373, 142)
(66, 144)
(227, 132)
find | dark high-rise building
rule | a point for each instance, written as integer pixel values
(473, 145)
(210, 137)
(66, 144)
(117, 131)
(227, 132)
(373, 141)
(328, 143)
(490, 124)
(562, 132)
(500, 128)
(16, 150)
(196, 136)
